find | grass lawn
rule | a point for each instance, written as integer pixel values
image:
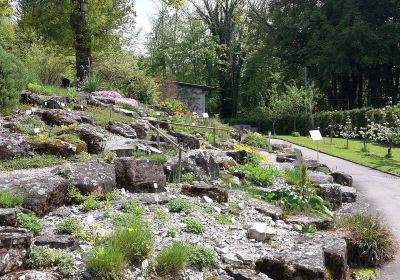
(374, 158)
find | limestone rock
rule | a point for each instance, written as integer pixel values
(56, 147)
(55, 241)
(281, 147)
(32, 275)
(239, 156)
(319, 178)
(204, 189)
(349, 194)
(122, 129)
(94, 137)
(60, 117)
(139, 175)
(12, 145)
(187, 140)
(261, 232)
(91, 177)
(43, 191)
(141, 127)
(14, 248)
(332, 193)
(8, 217)
(319, 223)
(342, 178)
(247, 274)
(267, 209)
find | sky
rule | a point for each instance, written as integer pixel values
(145, 10)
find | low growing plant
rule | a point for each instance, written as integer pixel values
(256, 140)
(223, 219)
(43, 257)
(194, 225)
(309, 228)
(29, 222)
(90, 203)
(9, 200)
(262, 176)
(202, 256)
(133, 206)
(180, 205)
(107, 262)
(171, 232)
(172, 259)
(68, 226)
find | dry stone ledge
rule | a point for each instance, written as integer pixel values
(281, 147)
(94, 137)
(12, 145)
(59, 117)
(14, 248)
(348, 209)
(319, 223)
(342, 178)
(32, 275)
(43, 190)
(8, 217)
(122, 129)
(187, 140)
(285, 158)
(349, 194)
(140, 175)
(319, 178)
(204, 189)
(55, 241)
(246, 274)
(261, 232)
(201, 163)
(267, 209)
(92, 177)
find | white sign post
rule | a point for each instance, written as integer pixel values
(316, 136)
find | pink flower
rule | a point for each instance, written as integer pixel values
(119, 97)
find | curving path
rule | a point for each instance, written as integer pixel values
(380, 190)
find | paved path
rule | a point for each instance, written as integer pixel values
(380, 190)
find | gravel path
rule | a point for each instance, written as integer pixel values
(380, 190)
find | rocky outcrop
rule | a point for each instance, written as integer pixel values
(201, 163)
(12, 145)
(55, 241)
(267, 209)
(319, 178)
(43, 191)
(281, 147)
(240, 156)
(342, 178)
(141, 127)
(94, 137)
(260, 232)
(60, 117)
(246, 274)
(319, 223)
(122, 129)
(14, 248)
(140, 175)
(186, 140)
(55, 147)
(204, 189)
(32, 275)
(331, 193)
(92, 177)
(28, 97)
(349, 194)
(8, 217)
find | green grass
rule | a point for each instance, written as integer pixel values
(172, 259)
(376, 157)
(103, 116)
(9, 199)
(68, 226)
(29, 222)
(180, 205)
(52, 91)
(44, 257)
(107, 262)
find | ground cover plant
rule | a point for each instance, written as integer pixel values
(29, 222)
(9, 200)
(44, 258)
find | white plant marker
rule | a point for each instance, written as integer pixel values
(36, 130)
(28, 112)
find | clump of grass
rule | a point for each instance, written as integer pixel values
(180, 205)
(256, 140)
(43, 257)
(91, 203)
(187, 178)
(193, 225)
(371, 242)
(107, 262)
(223, 219)
(259, 175)
(126, 220)
(161, 213)
(36, 161)
(202, 256)
(157, 157)
(29, 222)
(309, 228)
(8, 199)
(133, 206)
(171, 232)
(296, 176)
(68, 226)
(172, 259)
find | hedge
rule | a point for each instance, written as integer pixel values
(258, 118)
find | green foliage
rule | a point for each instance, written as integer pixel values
(174, 104)
(171, 232)
(107, 262)
(203, 257)
(43, 257)
(194, 225)
(180, 205)
(103, 116)
(75, 195)
(161, 213)
(90, 203)
(308, 228)
(296, 176)
(133, 206)
(126, 220)
(52, 90)
(9, 200)
(223, 219)
(27, 123)
(295, 134)
(74, 139)
(187, 178)
(372, 242)
(172, 259)
(36, 161)
(256, 140)
(29, 222)
(92, 83)
(158, 157)
(68, 226)
(11, 81)
(260, 175)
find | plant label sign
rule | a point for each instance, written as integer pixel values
(315, 135)
(205, 115)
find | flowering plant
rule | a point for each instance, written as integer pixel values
(115, 95)
(347, 131)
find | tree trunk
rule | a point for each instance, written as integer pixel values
(83, 52)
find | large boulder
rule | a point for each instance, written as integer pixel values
(246, 274)
(122, 129)
(187, 140)
(267, 209)
(14, 248)
(12, 145)
(43, 190)
(319, 178)
(139, 175)
(349, 194)
(95, 138)
(261, 232)
(332, 193)
(342, 178)
(91, 177)
(141, 127)
(204, 189)
(8, 217)
(240, 156)
(59, 117)
(55, 147)
(201, 163)
(55, 241)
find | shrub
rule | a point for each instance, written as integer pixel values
(133, 206)
(172, 259)
(43, 257)
(260, 175)
(308, 228)
(202, 256)
(371, 242)
(256, 140)
(106, 262)
(136, 241)
(90, 204)
(180, 205)
(295, 134)
(11, 80)
(174, 104)
(29, 222)
(193, 225)
(27, 123)
(92, 83)
(8, 199)
(68, 226)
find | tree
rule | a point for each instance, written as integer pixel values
(6, 26)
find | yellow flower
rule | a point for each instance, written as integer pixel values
(132, 229)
